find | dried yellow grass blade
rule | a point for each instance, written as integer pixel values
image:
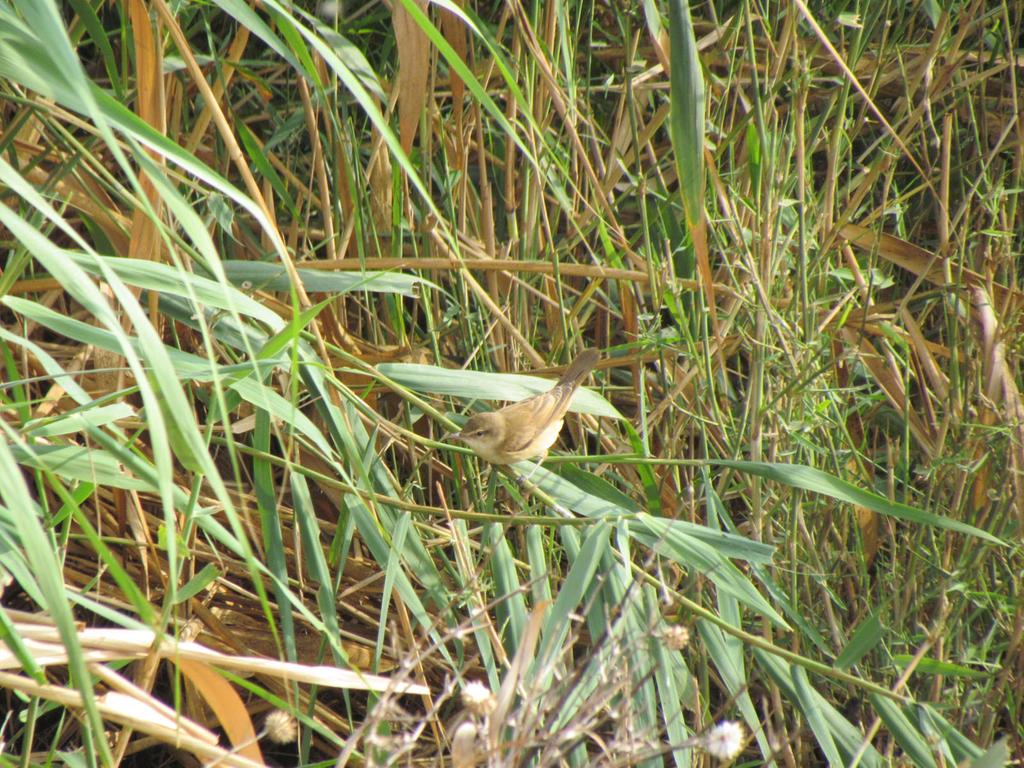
(110, 644)
(926, 356)
(136, 714)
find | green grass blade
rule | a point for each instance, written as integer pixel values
(816, 481)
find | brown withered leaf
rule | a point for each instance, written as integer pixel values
(925, 264)
(224, 701)
(867, 520)
(413, 71)
(149, 104)
(888, 378)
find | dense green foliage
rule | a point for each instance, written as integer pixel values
(259, 258)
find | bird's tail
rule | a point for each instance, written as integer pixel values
(579, 368)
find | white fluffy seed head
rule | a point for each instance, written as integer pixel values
(725, 740)
(478, 699)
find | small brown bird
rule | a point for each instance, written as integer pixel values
(526, 429)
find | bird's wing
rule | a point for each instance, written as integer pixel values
(536, 414)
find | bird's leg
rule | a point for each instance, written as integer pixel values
(523, 480)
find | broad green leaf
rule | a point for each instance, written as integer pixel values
(865, 639)
(9, 636)
(262, 275)
(996, 756)
(164, 278)
(960, 748)
(75, 462)
(673, 681)
(79, 420)
(811, 707)
(928, 666)
(313, 559)
(508, 591)
(910, 739)
(816, 481)
(570, 495)
(479, 385)
(596, 486)
(847, 737)
(577, 582)
(198, 583)
(47, 578)
(185, 365)
(686, 122)
(651, 529)
(691, 552)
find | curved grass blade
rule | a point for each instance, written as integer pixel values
(816, 481)
(480, 385)
(910, 739)
(268, 276)
(846, 736)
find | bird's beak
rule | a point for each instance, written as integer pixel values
(452, 436)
